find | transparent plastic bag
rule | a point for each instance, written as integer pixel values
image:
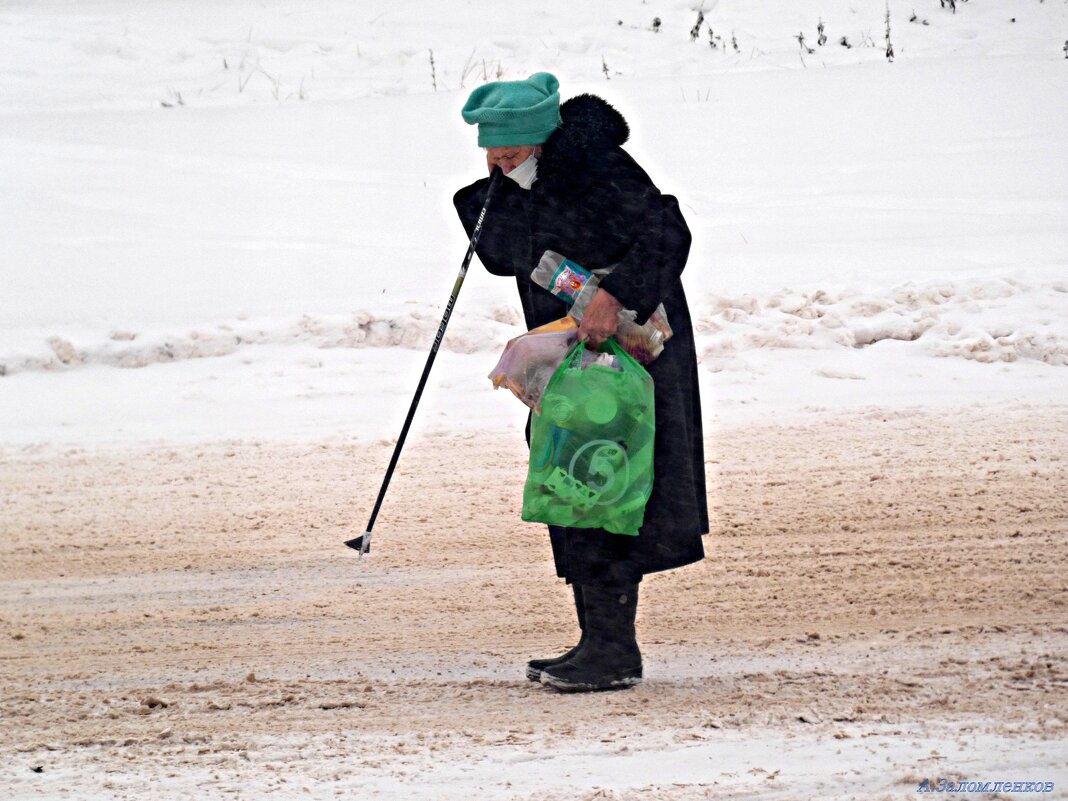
(529, 360)
(591, 446)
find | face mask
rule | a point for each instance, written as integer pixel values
(526, 173)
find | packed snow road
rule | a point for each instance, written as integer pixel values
(883, 602)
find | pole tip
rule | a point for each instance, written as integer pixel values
(361, 543)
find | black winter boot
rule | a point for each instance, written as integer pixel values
(536, 666)
(609, 658)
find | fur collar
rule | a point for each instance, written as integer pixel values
(590, 126)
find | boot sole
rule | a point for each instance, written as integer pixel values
(620, 683)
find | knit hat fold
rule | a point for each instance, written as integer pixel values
(515, 112)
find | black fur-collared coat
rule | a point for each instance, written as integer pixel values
(594, 204)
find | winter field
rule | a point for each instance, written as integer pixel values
(226, 241)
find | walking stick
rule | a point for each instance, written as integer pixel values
(363, 542)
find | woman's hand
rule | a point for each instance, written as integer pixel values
(600, 320)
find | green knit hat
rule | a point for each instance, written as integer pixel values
(515, 112)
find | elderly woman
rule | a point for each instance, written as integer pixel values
(572, 189)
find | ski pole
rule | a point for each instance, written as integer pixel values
(363, 542)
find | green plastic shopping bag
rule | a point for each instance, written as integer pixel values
(591, 447)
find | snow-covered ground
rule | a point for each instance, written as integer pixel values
(883, 603)
(233, 219)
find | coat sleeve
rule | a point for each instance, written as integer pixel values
(499, 239)
(657, 253)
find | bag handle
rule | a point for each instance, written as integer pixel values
(575, 353)
(574, 356)
(625, 359)
(580, 347)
